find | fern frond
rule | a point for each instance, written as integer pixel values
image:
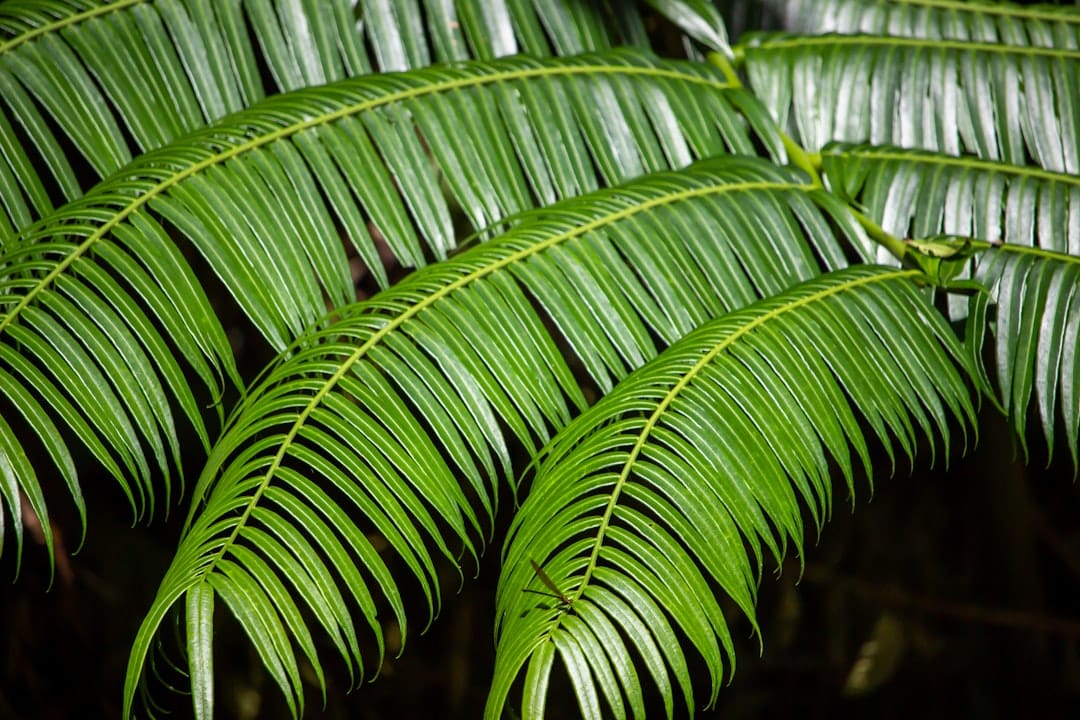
(131, 75)
(670, 486)
(994, 101)
(382, 412)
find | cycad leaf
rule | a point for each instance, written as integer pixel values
(1001, 101)
(914, 194)
(380, 414)
(1035, 326)
(665, 491)
(986, 21)
(118, 78)
(507, 135)
(263, 192)
(84, 348)
(1033, 216)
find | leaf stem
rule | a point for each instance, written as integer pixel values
(810, 163)
(721, 62)
(893, 244)
(807, 162)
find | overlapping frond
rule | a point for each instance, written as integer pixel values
(100, 294)
(1032, 217)
(995, 101)
(84, 85)
(396, 419)
(367, 157)
(916, 194)
(401, 412)
(673, 486)
(92, 348)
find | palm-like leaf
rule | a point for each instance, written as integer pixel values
(386, 408)
(988, 22)
(131, 75)
(915, 194)
(399, 416)
(670, 487)
(1032, 216)
(1036, 330)
(234, 187)
(79, 348)
(1001, 101)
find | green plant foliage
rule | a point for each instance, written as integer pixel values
(995, 101)
(231, 189)
(1028, 221)
(595, 266)
(641, 507)
(360, 161)
(128, 76)
(769, 259)
(984, 22)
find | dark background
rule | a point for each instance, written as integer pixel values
(948, 594)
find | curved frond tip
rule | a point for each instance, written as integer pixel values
(1036, 333)
(644, 508)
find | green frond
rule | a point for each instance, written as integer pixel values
(85, 354)
(99, 303)
(117, 78)
(564, 219)
(398, 413)
(17, 474)
(1033, 217)
(917, 194)
(367, 158)
(668, 488)
(1035, 324)
(995, 101)
(974, 20)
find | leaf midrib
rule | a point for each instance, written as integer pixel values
(979, 9)
(836, 39)
(965, 161)
(69, 21)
